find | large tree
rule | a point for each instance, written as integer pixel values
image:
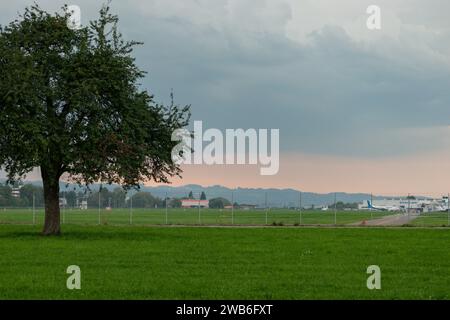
(219, 203)
(71, 103)
(146, 200)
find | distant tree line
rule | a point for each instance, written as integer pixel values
(116, 198)
(191, 196)
(24, 200)
(342, 206)
(219, 203)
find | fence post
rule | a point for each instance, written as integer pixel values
(34, 209)
(300, 206)
(99, 214)
(232, 207)
(64, 208)
(266, 210)
(131, 209)
(335, 216)
(167, 216)
(448, 209)
(371, 203)
(199, 212)
(409, 205)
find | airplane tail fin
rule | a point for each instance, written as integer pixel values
(369, 205)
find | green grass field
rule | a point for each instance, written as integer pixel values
(191, 216)
(131, 262)
(432, 220)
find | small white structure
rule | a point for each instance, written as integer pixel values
(192, 203)
(15, 192)
(62, 202)
(83, 205)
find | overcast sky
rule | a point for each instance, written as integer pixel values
(337, 91)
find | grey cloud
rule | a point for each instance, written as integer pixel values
(332, 95)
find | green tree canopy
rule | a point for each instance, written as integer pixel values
(29, 191)
(146, 200)
(71, 103)
(174, 203)
(6, 197)
(219, 203)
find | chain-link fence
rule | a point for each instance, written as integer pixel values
(261, 209)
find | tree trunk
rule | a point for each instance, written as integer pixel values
(51, 197)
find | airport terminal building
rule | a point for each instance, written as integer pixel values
(403, 204)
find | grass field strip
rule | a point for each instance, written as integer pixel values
(206, 217)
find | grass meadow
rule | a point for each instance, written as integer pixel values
(438, 219)
(134, 262)
(191, 216)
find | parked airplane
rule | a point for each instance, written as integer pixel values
(382, 208)
(425, 205)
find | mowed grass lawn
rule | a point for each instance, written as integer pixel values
(191, 216)
(438, 219)
(131, 262)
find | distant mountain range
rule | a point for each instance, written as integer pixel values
(256, 196)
